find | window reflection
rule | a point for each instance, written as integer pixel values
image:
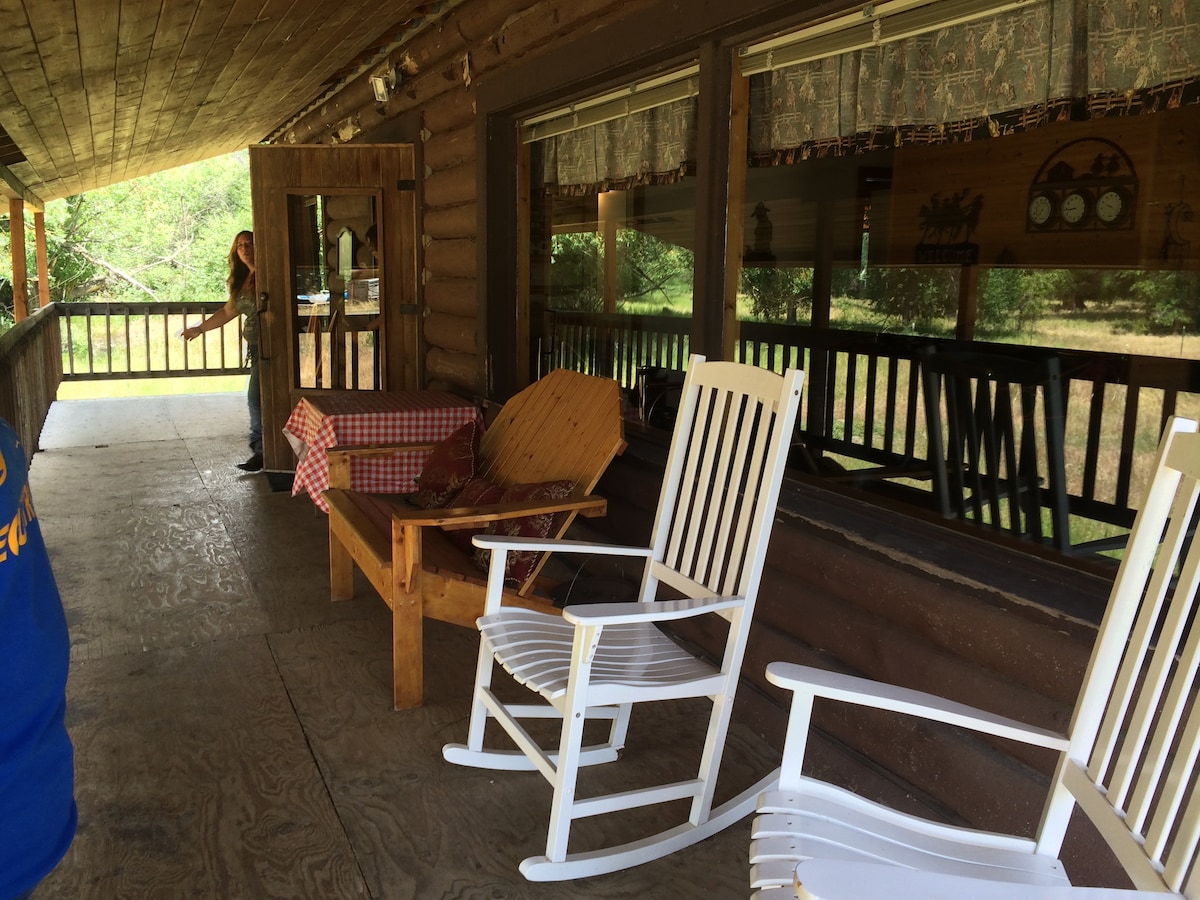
(336, 286)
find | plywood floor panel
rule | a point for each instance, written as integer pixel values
(234, 729)
(195, 780)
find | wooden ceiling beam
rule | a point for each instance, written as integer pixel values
(12, 189)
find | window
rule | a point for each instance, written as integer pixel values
(612, 229)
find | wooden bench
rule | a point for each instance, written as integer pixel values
(567, 426)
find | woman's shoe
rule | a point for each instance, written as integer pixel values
(253, 464)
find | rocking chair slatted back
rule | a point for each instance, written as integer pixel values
(708, 525)
(598, 660)
(1139, 703)
(1128, 760)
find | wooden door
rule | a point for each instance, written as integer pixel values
(336, 249)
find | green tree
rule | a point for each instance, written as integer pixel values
(576, 272)
(645, 266)
(777, 294)
(164, 237)
(1012, 300)
(916, 297)
(1169, 302)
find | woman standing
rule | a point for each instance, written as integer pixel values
(242, 302)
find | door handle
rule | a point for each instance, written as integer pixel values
(262, 302)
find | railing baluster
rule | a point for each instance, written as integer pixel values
(163, 355)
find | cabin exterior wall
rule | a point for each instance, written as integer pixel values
(847, 587)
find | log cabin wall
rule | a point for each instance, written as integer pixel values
(442, 69)
(847, 587)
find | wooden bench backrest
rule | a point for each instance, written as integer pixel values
(565, 426)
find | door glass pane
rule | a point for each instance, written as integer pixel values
(335, 274)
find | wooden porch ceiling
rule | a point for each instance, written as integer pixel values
(94, 92)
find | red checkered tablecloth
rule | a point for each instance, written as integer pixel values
(370, 417)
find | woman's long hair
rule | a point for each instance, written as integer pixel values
(238, 270)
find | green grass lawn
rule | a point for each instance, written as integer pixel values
(151, 387)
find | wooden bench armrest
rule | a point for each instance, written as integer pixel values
(467, 516)
(364, 450)
(340, 458)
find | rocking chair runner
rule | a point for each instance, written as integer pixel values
(1128, 761)
(709, 542)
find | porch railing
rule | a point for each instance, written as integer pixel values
(89, 341)
(864, 405)
(30, 372)
(142, 340)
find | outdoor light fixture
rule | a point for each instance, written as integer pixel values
(384, 82)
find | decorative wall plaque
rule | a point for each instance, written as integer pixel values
(1085, 185)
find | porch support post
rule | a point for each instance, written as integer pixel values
(20, 277)
(736, 208)
(43, 267)
(968, 303)
(606, 203)
(712, 199)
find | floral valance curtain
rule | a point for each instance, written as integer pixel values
(653, 146)
(1010, 72)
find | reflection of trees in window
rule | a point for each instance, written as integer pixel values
(915, 298)
(777, 294)
(650, 272)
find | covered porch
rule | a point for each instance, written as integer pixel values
(234, 729)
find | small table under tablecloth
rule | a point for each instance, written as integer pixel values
(371, 417)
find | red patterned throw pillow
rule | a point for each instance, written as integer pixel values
(478, 492)
(520, 564)
(448, 468)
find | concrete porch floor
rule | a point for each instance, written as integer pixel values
(233, 728)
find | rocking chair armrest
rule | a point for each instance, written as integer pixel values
(864, 692)
(455, 517)
(651, 611)
(549, 545)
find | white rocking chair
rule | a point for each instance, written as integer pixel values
(709, 541)
(1128, 761)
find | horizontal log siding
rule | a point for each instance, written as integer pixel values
(475, 39)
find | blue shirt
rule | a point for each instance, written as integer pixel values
(37, 802)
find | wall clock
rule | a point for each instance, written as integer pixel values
(1074, 208)
(1041, 208)
(1110, 206)
(1084, 185)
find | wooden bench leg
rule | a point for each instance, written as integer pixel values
(341, 568)
(407, 646)
(407, 618)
